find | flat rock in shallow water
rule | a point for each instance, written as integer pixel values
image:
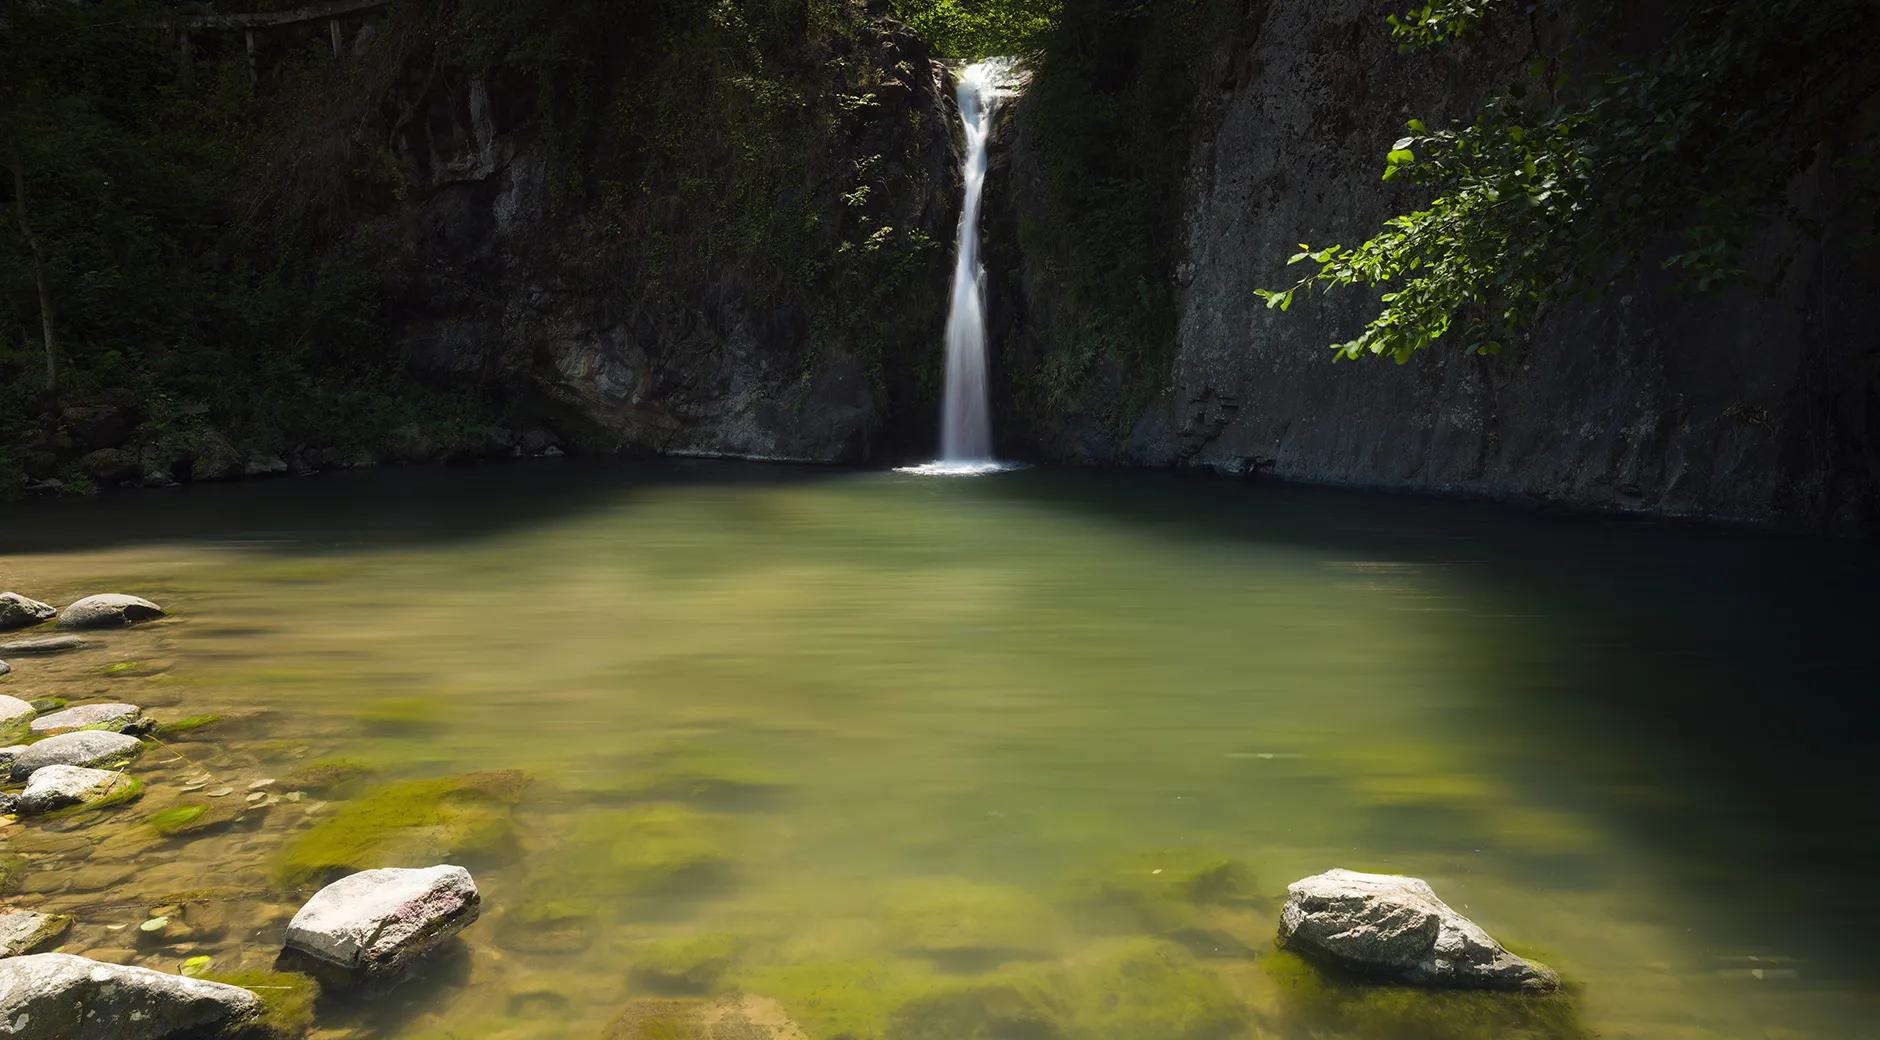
(53, 996)
(1393, 927)
(14, 711)
(88, 716)
(21, 931)
(376, 922)
(48, 645)
(92, 748)
(109, 611)
(16, 611)
(56, 787)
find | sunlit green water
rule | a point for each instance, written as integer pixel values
(885, 741)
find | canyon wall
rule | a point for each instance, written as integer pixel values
(1760, 402)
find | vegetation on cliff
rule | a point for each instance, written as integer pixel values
(1556, 185)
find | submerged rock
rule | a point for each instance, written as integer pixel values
(5, 668)
(115, 717)
(1394, 927)
(22, 931)
(92, 748)
(58, 787)
(48, 645)
(454, 817)
(53, 996)
(14, 712)
(110, 610)
(737, 1017)
(16, 611)
(376, 922)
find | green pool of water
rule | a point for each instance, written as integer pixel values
(1023, 756)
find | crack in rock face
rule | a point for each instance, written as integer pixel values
(1392, 927)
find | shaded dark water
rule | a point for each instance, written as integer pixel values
(888, 751)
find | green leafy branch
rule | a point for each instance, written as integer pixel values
(1540, 198)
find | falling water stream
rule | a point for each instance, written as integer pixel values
(966, 421)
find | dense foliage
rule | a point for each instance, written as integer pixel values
(980, 28)
(193, 285)
(1555, 186)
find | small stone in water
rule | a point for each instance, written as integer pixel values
(220, 792)
(196, 966)
(155, 924)
(256, 796)
(259, 784)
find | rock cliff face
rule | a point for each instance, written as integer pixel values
(635, 319)
(1760, 403)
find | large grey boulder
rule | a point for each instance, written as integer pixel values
(1392, 927)
(40, 647)
(110, 610)
(16, 611)
(377, 922)
(53, 996)
(56, 787)
(14, 712)
(23, 931)
(92, 748)
(117, 717)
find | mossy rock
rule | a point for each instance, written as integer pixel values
(686, 963)
(1159, 892)
(287, 1002)
(196, 817)
(654, 848)
(741, 1017)
(403, 715)
(185, 727)
(1320, 1003)
(13, 868)
(451, 818)
(968, 924)
(1000, 1010)
(845, 999)
(701, 774)
(1148, 988)
(42, 705)
(123, 789)
(547, 923)
(328, 776)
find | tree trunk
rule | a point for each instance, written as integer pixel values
(46, 319)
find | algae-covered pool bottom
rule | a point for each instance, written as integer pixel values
(734, 750)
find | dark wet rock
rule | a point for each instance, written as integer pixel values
(16, 611)
(265, 466)
(376, 922)
(112, 466)
(1392, 927)
(110, 610)
(41, 647)
(14, 713)
(100, 424)
(60, 787)
(52, 996)
(92, 749)
(215, 458)
(114, 717)
(538, 442)
(23, 931)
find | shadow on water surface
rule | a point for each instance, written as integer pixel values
(1712, 688)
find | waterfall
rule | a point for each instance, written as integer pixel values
(966, 419)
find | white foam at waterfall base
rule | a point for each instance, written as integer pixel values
(966, 417)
